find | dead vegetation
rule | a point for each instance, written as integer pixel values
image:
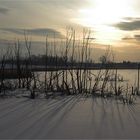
(105, 83)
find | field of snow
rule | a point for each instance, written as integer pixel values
(70, 117)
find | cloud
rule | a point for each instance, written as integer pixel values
(137, 37)
(134, 38)
(70, 4)
(130, 24)
(130, 19)
(37, 32)
(127, 38)
(41, 13)
(4, 10)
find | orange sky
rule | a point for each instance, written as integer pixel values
(112, 22)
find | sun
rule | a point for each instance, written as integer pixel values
(101, 14)
(105, 12)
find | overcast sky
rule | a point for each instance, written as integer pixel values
(113, 22)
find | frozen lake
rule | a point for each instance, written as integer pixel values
(130, 77)
(71, 117)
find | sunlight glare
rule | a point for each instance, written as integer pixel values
(105, 12)
(102, 15)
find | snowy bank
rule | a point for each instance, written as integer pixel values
(69, 117)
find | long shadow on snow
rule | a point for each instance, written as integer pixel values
(17, 107)
(15, 102)
(39, 120)
(58, 119)
(105, 114)
(28, 109)
(132, 114)
(30, 113)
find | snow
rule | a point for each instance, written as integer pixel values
(68, 117)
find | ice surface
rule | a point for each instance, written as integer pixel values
(70, 117)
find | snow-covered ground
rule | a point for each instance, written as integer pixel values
(70, 117)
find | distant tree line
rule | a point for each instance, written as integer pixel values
(40, 60)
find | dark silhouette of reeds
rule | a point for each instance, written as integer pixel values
(71, 80)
